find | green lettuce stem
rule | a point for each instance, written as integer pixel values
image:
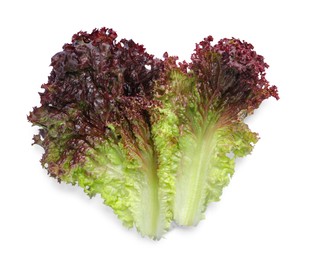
(147, 212)
(192, 181)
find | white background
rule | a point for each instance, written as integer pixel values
(265, 212)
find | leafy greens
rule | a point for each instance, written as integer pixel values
(153, 137)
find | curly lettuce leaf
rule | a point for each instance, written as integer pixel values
(210, 97)
(95, 127)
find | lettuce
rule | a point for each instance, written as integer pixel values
(155, 138)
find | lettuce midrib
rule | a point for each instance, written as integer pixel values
(192, 178)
